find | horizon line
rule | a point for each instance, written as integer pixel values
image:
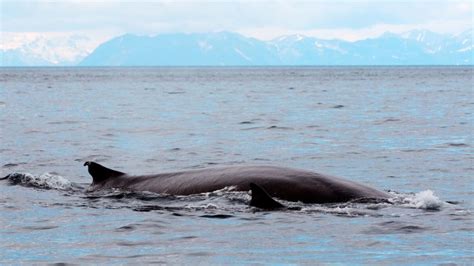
(247, 66)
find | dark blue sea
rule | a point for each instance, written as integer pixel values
(406, 130)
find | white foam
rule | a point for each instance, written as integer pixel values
(423, 200)
(219, 192)
(206, 206)
(46, 180)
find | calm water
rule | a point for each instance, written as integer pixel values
(405, 130)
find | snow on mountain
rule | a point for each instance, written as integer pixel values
(432, 42)
(417, 47)
(466, 39)
(220, 48)
(424, 36)
(50, 49)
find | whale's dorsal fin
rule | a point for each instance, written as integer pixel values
(100, 173)
(261, 199)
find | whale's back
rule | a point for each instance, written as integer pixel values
(284, 183)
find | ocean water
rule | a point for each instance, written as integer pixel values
(407, 130)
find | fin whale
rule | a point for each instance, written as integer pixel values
(264, 182)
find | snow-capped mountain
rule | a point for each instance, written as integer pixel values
(458, 47)
(465, 41)
(223, 48)
(417, 47)
(432, 42)
(44, 49)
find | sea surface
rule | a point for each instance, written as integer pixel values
(406, 130)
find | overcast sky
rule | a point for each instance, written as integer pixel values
(348, 20)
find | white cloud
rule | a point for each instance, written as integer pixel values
(262, 19)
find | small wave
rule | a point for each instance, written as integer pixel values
(149, 208)
(202, 206)
(66, 122)
(120, 194)
(391, 119)
(10, 165)
(252, 128)
(278, 127)
(425, 200)
(395, 227)
(175, 92)
(44, 181)
(458, 144)
(217, 216)
(354, 208)
(343, 210)
(387, 120)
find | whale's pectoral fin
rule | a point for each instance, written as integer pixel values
(261, 199)
(100, 173)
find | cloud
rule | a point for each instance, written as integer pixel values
(258, 18)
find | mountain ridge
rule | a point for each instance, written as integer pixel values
(41, 50)
(416, 47)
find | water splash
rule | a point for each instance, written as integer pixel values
(44, 181)
(425, 200)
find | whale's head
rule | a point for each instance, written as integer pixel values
(101, 173)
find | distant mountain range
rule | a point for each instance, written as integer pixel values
(42, 50)
(418, 47)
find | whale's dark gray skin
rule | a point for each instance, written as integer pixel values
(280, 182)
